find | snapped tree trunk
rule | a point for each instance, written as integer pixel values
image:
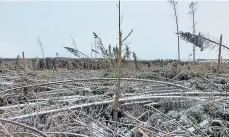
(219, 55)
(23, 56)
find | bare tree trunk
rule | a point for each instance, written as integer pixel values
(119, 64)
(219, 55)
(192, 7)
(194, 32)
(178, 40)
(177, 27)
(117, 92)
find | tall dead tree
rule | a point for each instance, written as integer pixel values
(193, 8)
(174, 4)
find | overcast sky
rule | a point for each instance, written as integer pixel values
(153, 24)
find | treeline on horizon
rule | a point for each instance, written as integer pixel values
(153, 61)
(149, 60)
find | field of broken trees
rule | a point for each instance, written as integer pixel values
(116, 95)
(172, 100)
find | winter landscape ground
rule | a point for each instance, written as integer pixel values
(171, 100)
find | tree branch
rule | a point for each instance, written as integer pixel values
(127, 36)
(103, 102)
(98, 79)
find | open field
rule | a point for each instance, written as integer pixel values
(161, 101)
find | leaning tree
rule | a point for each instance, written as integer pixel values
(204, 42)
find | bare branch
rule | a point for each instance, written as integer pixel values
(117, 5)
(127, 36)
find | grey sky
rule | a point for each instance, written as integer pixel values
(153, 24)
